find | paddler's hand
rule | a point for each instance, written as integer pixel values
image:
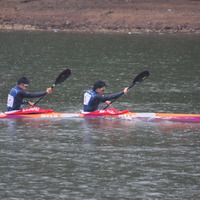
(108, 103)
(126, 90)
(30, 103)
(48, 90)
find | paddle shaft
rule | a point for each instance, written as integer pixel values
(43, 96)
(119, 96)
(138, 79)
(61, 77)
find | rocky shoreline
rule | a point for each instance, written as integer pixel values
(106, 16)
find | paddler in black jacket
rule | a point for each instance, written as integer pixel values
(18, 93)
(92, 98)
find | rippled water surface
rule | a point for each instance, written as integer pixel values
(93, 159)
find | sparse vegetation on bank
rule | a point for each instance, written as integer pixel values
(115, 16)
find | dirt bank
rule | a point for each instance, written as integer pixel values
(120, 16)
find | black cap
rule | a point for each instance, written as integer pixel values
(23, 80)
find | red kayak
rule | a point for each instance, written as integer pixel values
(37, 112)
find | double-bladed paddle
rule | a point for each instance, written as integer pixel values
(61, 77)
(138, 79)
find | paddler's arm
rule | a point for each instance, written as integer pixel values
(113, 96)
(34, 94)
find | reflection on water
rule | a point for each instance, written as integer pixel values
(100, 158)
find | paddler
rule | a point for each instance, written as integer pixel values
(92, 98)
(18, 93)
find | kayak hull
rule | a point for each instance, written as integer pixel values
(126, 116)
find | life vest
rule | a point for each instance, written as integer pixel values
(11, 97)
(87, 101)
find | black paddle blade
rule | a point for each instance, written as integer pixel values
(141, 77)
(63, 76)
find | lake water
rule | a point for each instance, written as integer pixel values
(94, 159)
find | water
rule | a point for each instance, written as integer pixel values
(97, 159)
